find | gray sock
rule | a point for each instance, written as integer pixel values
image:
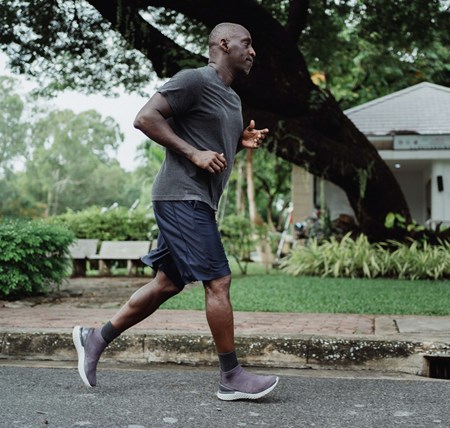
(228, 361)
(109, 333)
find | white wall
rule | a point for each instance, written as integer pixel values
(337, 201)
(413, 187)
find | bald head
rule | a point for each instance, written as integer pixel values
(225, 30)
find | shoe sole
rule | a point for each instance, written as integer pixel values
(237, 395)
(76, 337)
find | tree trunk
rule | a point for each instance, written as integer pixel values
(240, 196)
(255, 218)
(261, 241)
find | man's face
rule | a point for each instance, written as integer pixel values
(240, 50)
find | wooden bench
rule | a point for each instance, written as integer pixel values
(80, 252)
(111, 251)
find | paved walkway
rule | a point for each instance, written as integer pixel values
(270, 323)
(195, 321)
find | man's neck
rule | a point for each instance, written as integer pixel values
(223, 72)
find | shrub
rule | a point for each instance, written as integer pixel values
(359, 258)
(115, 225)
(33, 257)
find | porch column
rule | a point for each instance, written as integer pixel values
(440, 190)
(301, 193)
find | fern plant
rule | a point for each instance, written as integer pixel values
(350, 258)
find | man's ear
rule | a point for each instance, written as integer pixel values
(223, 44)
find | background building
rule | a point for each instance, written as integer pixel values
(411, 130)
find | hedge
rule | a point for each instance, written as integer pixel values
(34, 257)
(115, 225)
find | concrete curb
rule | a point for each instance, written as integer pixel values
(388, 354)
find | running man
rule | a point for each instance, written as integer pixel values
(197, 117)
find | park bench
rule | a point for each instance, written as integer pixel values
(80, 252)
(112, 251)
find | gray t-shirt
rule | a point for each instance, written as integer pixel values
(207, 114)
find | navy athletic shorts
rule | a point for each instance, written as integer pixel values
(189, 245)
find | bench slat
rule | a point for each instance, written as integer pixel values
(122, 250)
(83, 248)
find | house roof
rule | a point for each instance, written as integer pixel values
(422, 108)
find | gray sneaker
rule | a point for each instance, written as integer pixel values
(89, 344)
(237, 384)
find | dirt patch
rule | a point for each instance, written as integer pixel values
(101, 292)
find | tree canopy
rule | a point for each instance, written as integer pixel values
(363, 49)
(12, 131)
(66, 159)
(355, 50)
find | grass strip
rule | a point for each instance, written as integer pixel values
(279, 292)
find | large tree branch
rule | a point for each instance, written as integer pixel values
(248, 13)
(166, 56)
(297, 18)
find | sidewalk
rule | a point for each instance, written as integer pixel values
(41, 330)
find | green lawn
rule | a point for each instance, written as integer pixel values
(277, 292)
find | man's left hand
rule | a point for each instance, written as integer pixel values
(251, 137)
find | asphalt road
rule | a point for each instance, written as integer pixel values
(185, 397)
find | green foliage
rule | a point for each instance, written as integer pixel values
(73, 43)
(420, 260)
(70, 162)
(12, 128)
(396, 220)
(364, 176)
(366, 49)
(272, 179)
(69, 165)
(33, 257)
(272, 184)
(359, 258)
(238, 239)
(119, 224)
(14, 202)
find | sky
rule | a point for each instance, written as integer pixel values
(123, 109)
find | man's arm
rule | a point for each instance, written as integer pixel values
(152, 121)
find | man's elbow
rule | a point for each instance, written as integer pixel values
(139, 122)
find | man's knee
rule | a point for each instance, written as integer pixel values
(218, 286)
(159, 289)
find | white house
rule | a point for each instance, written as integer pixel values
(411, 130)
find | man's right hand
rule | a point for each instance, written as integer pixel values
(212, 162)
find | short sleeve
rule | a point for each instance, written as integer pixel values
(183, 90)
